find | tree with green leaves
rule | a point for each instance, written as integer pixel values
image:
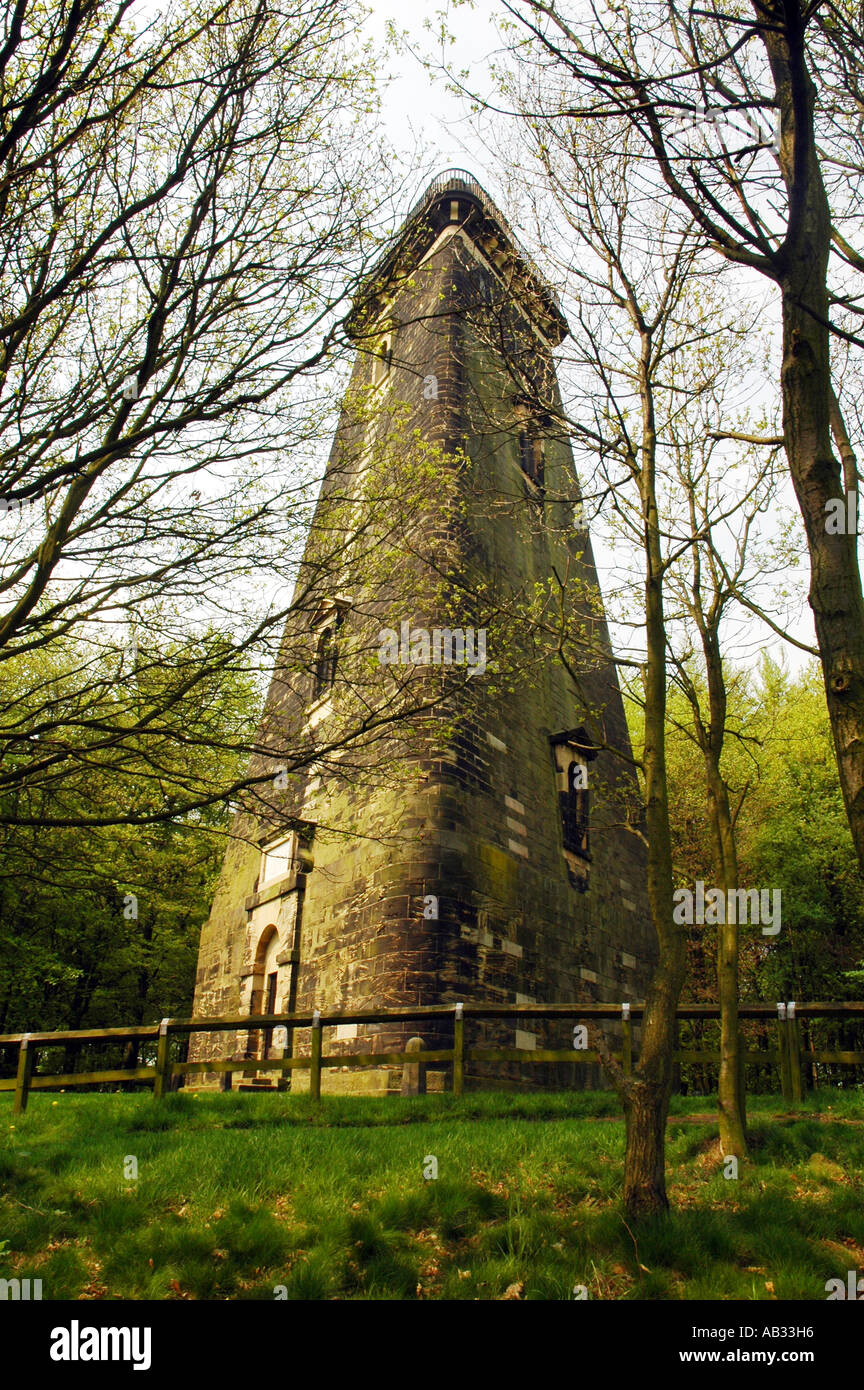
(790, 831)
(101, 927)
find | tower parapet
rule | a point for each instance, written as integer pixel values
(455, 201)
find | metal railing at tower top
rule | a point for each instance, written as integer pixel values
(465, 182)
(461, 180)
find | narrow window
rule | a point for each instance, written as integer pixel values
(574, 751)
(575, 810)
(326, 656)
(383, 360)
(531, 456)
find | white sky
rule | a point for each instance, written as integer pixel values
(419, 112)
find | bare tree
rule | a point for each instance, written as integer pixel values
(750, 121)
(725, 564)
(653, 355)
(189, 200)
(658, 375)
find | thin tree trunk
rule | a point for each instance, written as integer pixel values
(732, 1120)
(646, 1111)
(732, 1117)
(646, 1093)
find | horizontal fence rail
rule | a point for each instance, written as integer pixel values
(786, 1056)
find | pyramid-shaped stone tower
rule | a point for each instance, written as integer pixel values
(486, 846)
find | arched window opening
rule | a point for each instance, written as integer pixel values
(326, 623)
(265, 993)
(271, 985)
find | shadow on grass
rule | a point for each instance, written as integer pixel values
(262, 1197)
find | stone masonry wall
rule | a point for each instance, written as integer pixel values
(478, 827)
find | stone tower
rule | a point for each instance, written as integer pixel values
(487, 847)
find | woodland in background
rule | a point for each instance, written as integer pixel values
(100, 926)
(793, 834)
(644, 82)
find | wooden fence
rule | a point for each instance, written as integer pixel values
(786, 1055)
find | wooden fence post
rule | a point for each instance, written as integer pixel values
(22, 1079)
(458, 1051)
(163, 1061)
(285, 1049)
(315, 1068)
(783, 1050)
(794, 1052)
(626, 1040)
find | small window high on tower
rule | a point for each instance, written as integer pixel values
(531, 456)
(573, 751)
(325, 625)
(326, 657)
(575, 808)
(383, 360)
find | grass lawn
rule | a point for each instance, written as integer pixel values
(239, 1194)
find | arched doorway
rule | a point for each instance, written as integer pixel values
(265, 997)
